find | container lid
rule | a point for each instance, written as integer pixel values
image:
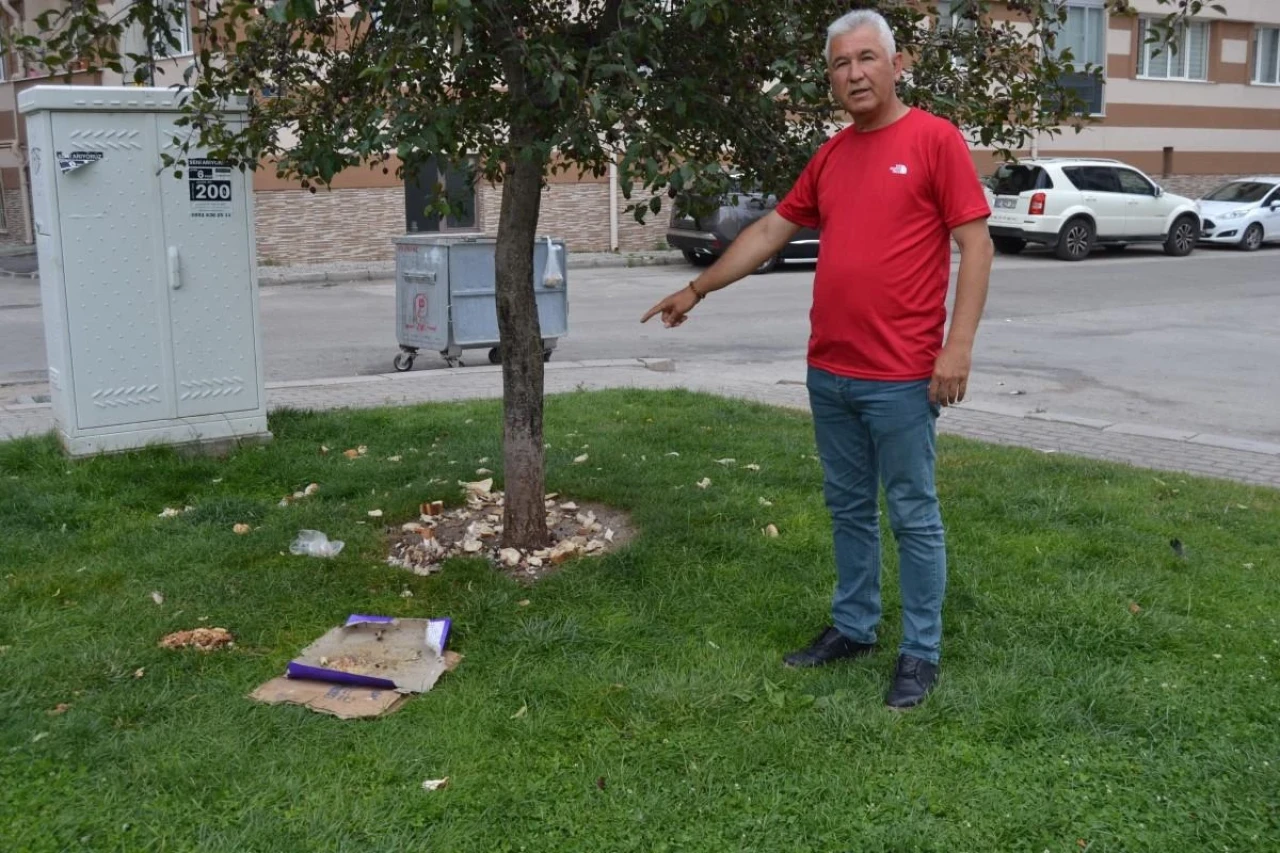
(111, 99)
(431, 238)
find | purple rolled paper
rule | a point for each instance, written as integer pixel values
(357, 618)
(333, 676)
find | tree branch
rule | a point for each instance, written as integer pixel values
(610, 22)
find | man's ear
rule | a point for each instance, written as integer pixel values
(897, 67)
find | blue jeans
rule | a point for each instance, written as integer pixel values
(868, 433)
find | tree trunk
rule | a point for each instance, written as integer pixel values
(524, 516)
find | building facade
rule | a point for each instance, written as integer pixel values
(1189, 118)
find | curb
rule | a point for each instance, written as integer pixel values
(667, 365)
(1180, 436)
(1219, 457)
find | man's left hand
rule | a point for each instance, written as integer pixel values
(950, 376)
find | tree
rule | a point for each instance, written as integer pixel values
(676, 92)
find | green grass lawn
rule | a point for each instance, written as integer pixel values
(659, 717)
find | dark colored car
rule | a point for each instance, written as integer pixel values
(704, 238)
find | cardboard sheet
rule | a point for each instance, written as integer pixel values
(365, 668)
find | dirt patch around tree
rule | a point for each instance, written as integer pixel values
(475, 530)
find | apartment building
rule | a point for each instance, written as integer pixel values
(1189, 118)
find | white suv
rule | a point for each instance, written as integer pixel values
(1073, 205)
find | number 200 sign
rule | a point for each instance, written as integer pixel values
(211, 191)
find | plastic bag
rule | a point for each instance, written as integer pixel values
(313, 543)
(553, 273)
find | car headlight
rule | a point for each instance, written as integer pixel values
(1236, 214)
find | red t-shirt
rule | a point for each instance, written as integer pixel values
(885, 201)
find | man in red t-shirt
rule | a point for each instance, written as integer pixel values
(889, 193)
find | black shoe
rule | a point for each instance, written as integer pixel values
(830, 645)
(912, 681)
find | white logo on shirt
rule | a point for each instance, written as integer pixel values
(898, 169)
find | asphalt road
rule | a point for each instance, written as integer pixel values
(1179, 342)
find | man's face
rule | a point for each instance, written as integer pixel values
(862, 73)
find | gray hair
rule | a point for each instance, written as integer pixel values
(857, 19)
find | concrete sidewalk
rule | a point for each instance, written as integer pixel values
(1147, 446)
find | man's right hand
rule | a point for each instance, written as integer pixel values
(674, 308)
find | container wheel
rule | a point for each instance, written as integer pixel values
(403, 362)
(495, 356)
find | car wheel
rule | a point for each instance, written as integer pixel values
(767, 266)
(1252, 239)
(1182, 236)
(1075, 241)
(698, 259)
(1009, 245)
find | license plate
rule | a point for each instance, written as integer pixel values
(1009, 203)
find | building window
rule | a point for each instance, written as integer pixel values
(1084, 34)
(178, 17)
(955, 16)
(1187, 60)
(1266, 49)
(952, 15)
(435, 179)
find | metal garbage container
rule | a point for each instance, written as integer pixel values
(446, 296)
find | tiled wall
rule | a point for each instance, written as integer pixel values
(579, 212)
(635, 237)
(1193, 186)
(299, 227)
(16, 232)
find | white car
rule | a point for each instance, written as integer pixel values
(1073, 205)
(1244, 213)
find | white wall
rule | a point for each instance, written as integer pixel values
(1122, 90)
(1103, 139)
(1254, 11)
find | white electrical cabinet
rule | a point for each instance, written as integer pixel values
(148, 280)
